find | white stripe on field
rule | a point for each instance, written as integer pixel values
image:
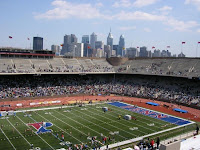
(59, 128)
(19, 132)
(36, 134)
(113, 126)
(8, 139)
(78, 122)
(127, 121)
(138, 115)
(101, 121)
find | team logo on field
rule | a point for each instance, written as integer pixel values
(41, 127)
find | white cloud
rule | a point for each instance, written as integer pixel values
(165, 10)
(180, 25)
(99, 4)
(137, 3)
(138, 15)
(64, 9)
(127, 28)
(147, 30)
(193, 2)
(142, 3)
(122, 3)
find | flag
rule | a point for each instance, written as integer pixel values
(28, 39)
(123, 48)
(168, 46)
(138, 47)
(61, 44)
(198, 42)
(10, 37)
(153, 47)
(88, 47)
(183, 42)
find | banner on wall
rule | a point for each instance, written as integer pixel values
(19, 105)
(45, 102)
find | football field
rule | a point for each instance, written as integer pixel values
(86, 126)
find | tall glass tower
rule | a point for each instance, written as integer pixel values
(110, 40)
(93, 39)
(121, 46)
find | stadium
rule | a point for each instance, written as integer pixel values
(50, 102)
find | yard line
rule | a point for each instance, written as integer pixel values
(51, 132)
(78, 122)
(8, 139)
(19, 133)
(35, 133)
(112, 125)
(99, 125)
(124, 110)
(68, 125)
(59, 128)
(128, 126)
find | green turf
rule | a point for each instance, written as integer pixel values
(77, 124)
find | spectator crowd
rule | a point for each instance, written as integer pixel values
(163, 88)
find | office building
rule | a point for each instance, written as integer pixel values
(110, 40)
(55, 49)
(143, 52)
(85, 39)
(121, 46)
(132, 52)
(108, 51)
(69, 41)
(37, 43)
(93, 39)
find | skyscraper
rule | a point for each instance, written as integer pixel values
(121, 46)
(132, 52)
(69, 40)
(37, 43)
(93, 39)
(110, 40)
(143, 52)
(56, 49)
(85, 39)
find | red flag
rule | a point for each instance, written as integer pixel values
(168, 46)
(88, 47)
(183, 42)
(153, 47)
(61, 44)
(10, 37)
(198, 42)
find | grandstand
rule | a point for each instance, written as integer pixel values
(48, 81)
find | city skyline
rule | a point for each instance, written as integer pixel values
(151, 23)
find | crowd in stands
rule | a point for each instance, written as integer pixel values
(163, 88)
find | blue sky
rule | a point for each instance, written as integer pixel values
(158, 23)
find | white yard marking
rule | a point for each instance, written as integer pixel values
(110, 125)
(19, 132)
(36, 134)
(60, 128)
(131, 123)
(124, 111)
(97, 124)
(8, 139)
(77, 122)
